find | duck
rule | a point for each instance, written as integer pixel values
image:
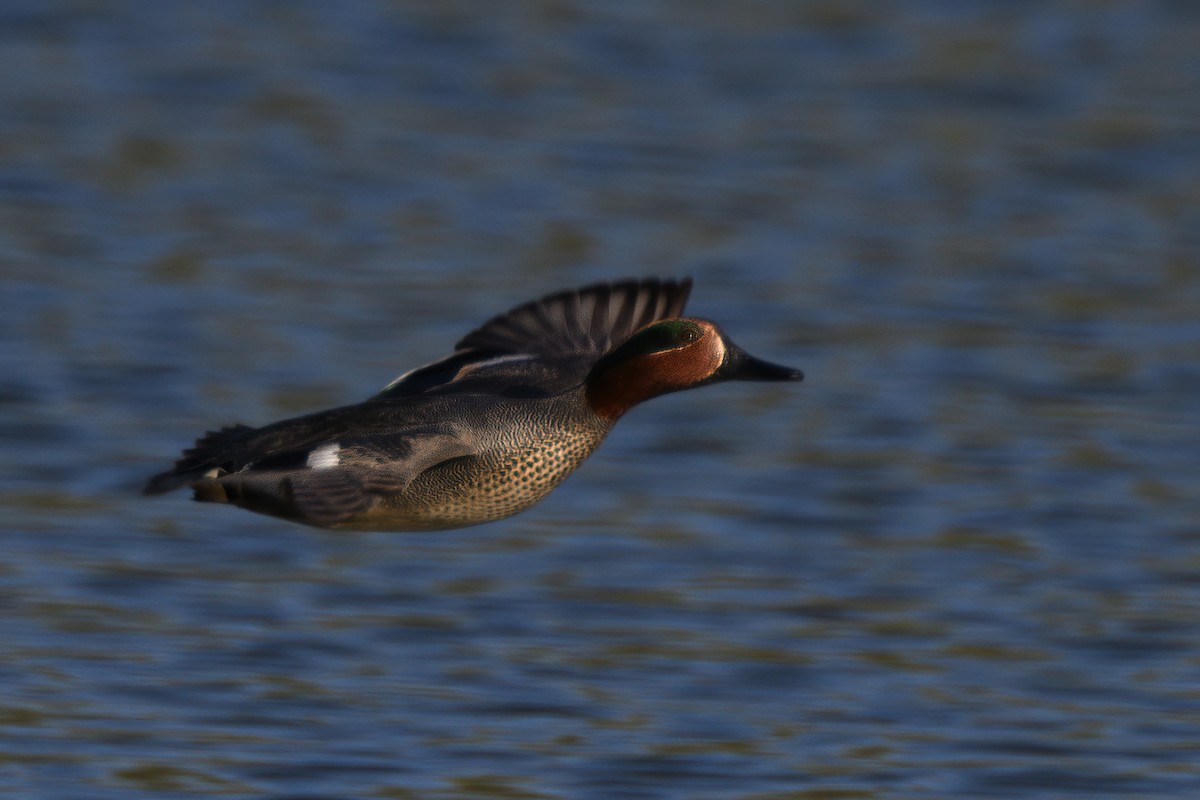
(482, 433)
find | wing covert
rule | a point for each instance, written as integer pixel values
(334, 481)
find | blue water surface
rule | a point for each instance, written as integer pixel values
(961, 560)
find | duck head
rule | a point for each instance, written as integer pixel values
(668, 356)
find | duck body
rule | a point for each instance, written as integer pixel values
(404, 463)
(481, 434)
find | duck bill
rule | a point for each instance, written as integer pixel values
(741, 366)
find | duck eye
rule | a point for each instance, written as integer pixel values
(661, 337)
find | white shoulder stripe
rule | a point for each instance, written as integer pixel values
(466, 369)
(490, 362)
(324, 457)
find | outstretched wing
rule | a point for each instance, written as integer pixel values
(547, 346)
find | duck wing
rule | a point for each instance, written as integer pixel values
(336, 481)
(408, 436)
(548, 345)
(331, 482)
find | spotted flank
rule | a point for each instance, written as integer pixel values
(483, 433)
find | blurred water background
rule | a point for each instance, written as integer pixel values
(961, 560)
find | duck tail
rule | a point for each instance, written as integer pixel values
(213, 451)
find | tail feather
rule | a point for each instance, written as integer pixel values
(214, 450)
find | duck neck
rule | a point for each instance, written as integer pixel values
(613, 389)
